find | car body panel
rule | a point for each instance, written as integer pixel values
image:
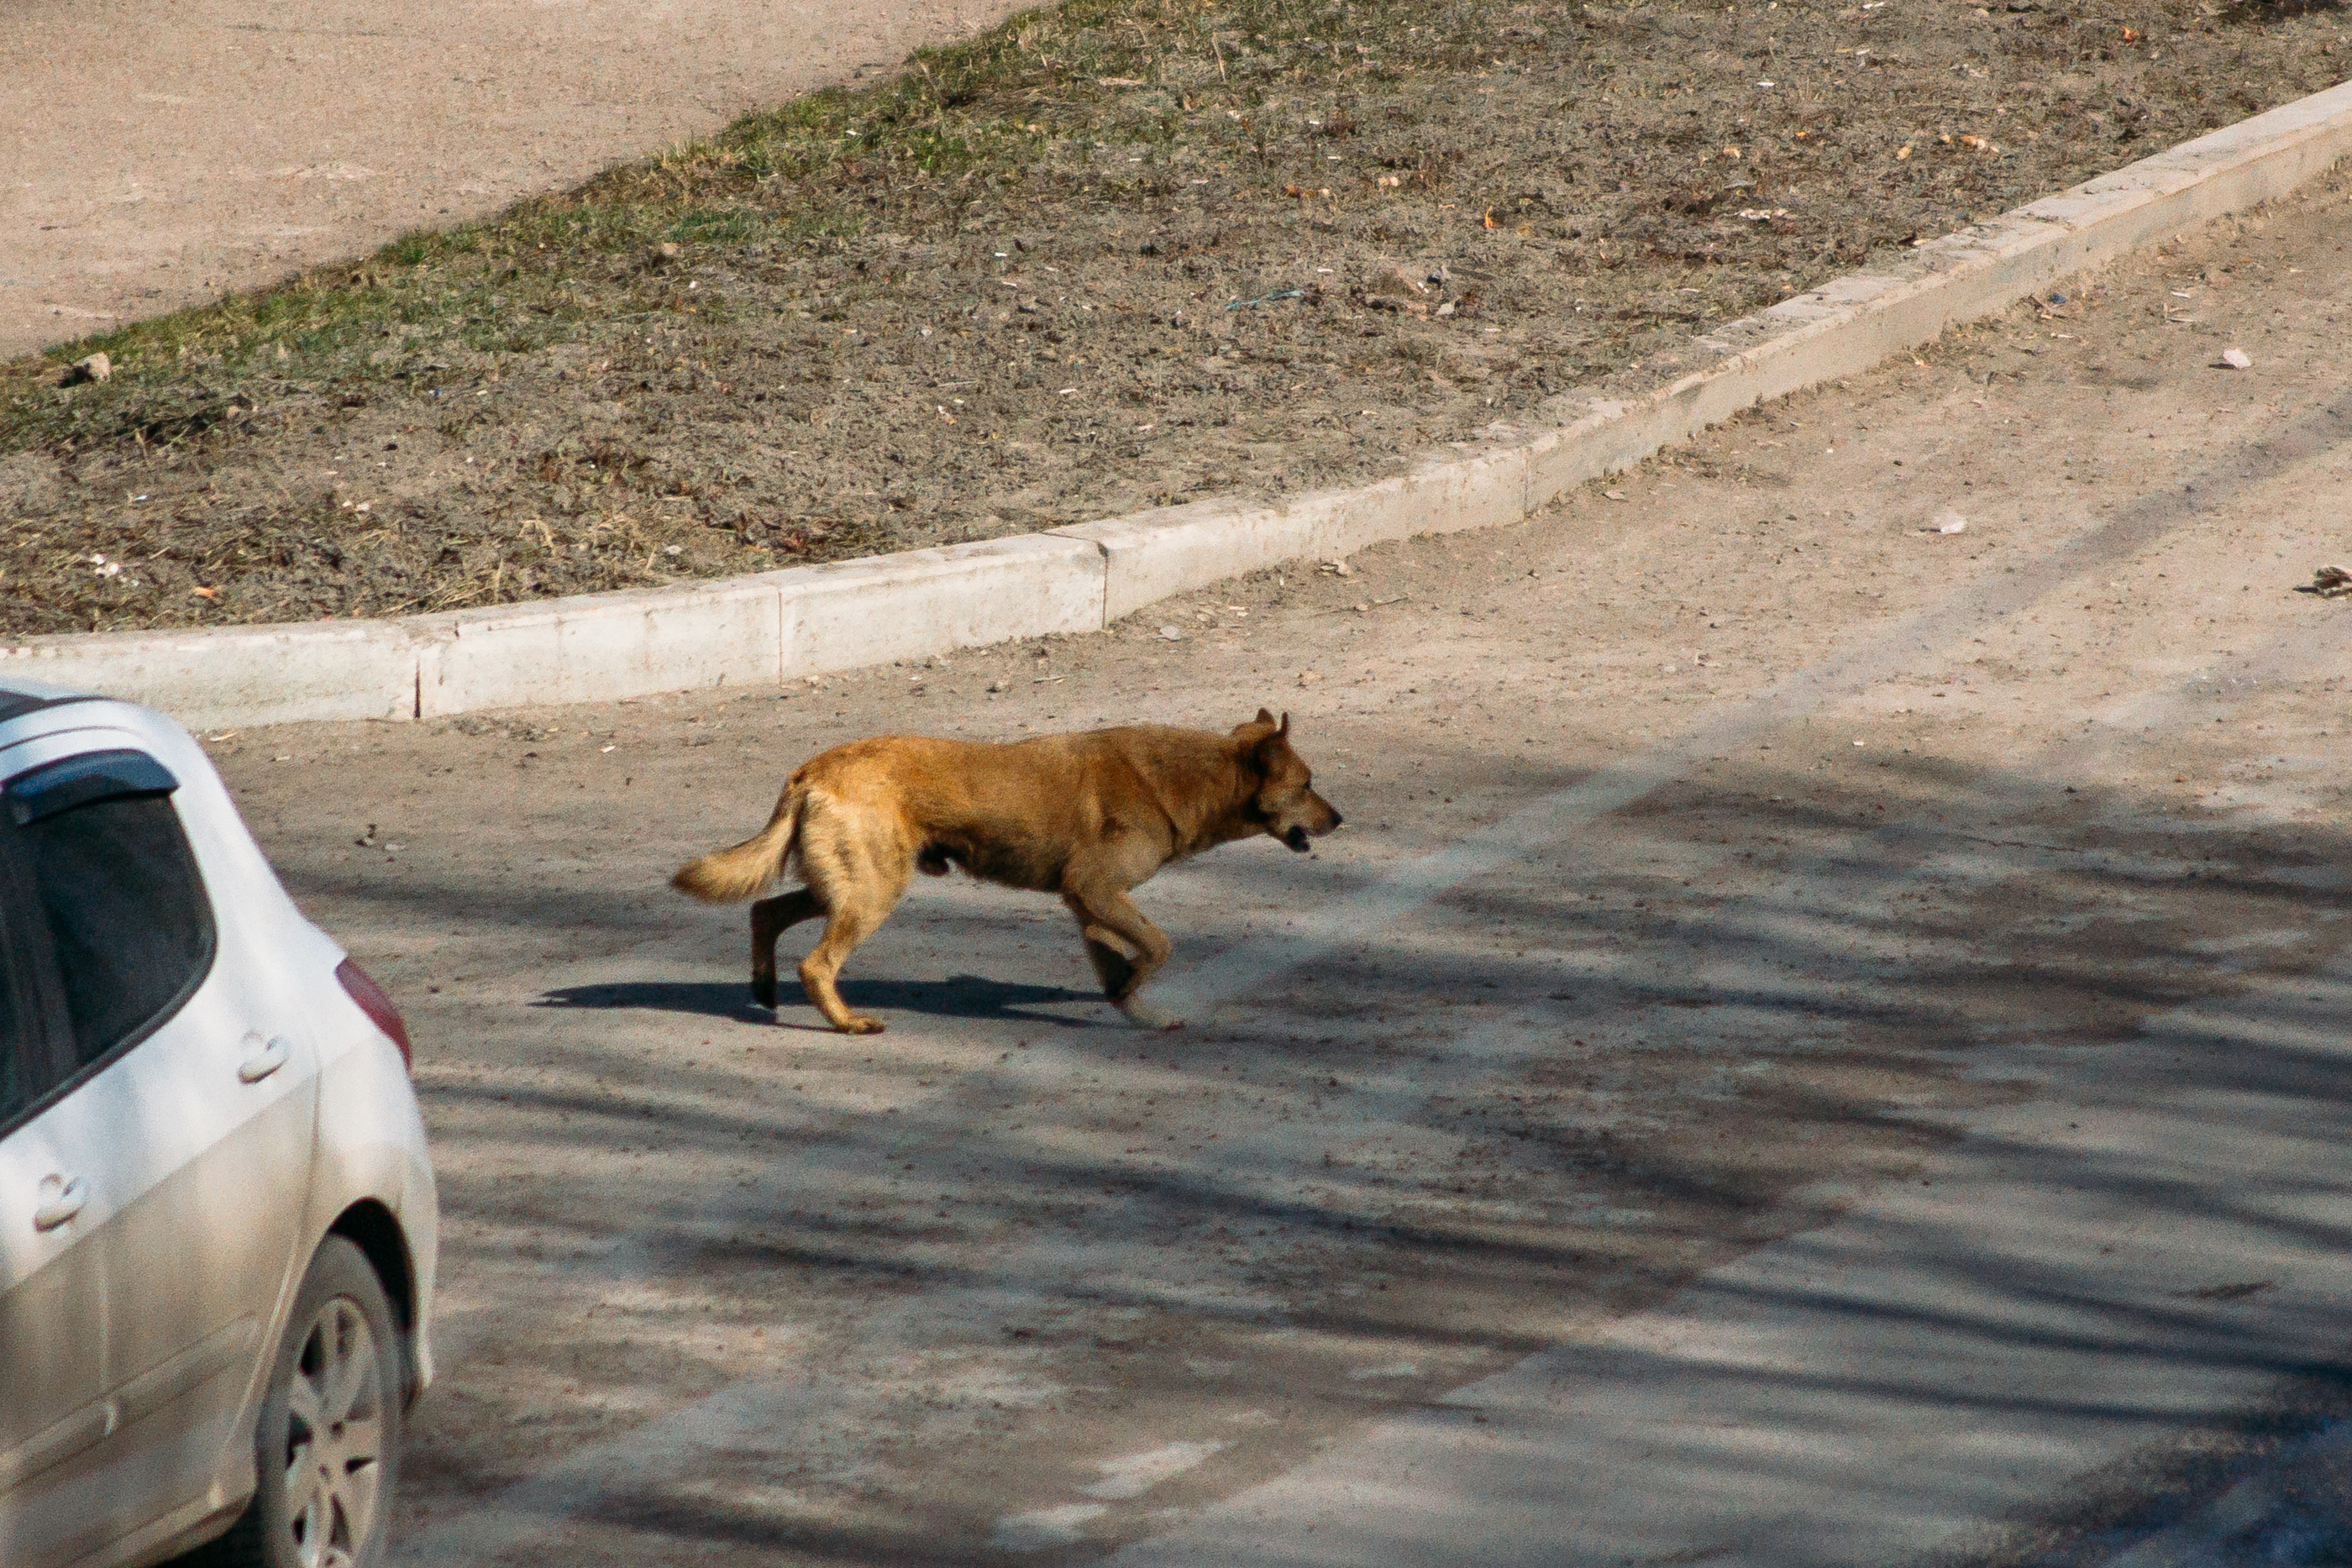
(53, 1419)
(199, 1226)
(372, 1141)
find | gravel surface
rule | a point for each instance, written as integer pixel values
(1170, 251)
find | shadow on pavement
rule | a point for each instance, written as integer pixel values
(958, 997)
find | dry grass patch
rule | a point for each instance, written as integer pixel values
(1115, 253)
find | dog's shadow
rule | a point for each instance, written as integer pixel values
(957, 997)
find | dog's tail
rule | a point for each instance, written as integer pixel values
(730, 875)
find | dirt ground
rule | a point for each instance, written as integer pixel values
(1131, 254)
(1012, 1280)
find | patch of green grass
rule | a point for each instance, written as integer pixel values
(718, 225)
(1027, 102)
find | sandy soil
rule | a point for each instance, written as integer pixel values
(1543, 197)
(1011, 1278)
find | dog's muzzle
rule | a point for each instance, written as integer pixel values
(1297, 839)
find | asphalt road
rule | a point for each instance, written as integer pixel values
(1820, 1041)
(161, 155)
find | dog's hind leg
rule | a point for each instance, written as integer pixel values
(846, 924)
(770, 918)
(1126, 949)
(857, 863)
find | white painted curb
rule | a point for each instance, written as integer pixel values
(760, 631)
(752, 631)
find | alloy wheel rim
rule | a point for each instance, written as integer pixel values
(334, 1438)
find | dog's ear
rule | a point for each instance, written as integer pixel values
(1265, 717)
(1274, 743)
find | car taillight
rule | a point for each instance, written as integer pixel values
(375, 1004)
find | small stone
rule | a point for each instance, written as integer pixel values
(1172, 634)
(998, 686)
(1948, 522)
(1614, 495)
(2236, 359)
(96, 368)
(1309, 677)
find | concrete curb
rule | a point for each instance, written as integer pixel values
(762, 630)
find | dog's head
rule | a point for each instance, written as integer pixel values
(1285, 803)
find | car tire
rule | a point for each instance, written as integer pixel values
(327, 1445)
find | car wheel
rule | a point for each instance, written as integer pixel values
(327, 1447)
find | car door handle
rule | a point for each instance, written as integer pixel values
(264, 1060)
(62, 1197)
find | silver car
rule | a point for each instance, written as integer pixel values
(217, 1221)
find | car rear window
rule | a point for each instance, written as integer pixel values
(130, 927)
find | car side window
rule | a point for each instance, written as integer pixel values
(116, 885)
(24, 1054)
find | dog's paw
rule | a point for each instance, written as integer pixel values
(860, 1024)
(1143, 1015)
(763, 990)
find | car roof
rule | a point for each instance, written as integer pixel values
(21, 697)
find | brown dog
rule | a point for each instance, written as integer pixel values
(1086, 816)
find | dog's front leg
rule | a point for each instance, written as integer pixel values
(1112, 966)
(1126, 949)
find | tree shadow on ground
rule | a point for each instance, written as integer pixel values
(1734, 996)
